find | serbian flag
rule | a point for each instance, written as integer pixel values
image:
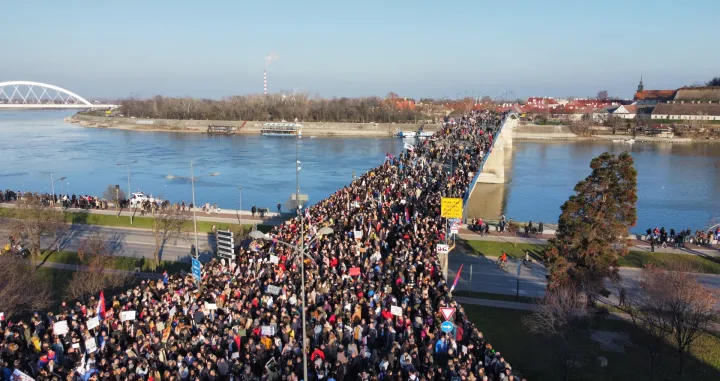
(166, 278)
(407, 215)
(457, 277)
(100, 311)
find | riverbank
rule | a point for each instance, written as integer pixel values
(563, 133)
(328, 129)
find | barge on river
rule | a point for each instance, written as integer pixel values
(281, 129)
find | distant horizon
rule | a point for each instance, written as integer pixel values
(417, 49)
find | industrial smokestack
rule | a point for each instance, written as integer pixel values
(265, 82)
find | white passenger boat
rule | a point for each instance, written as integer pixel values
(407, 134)
(281, 129)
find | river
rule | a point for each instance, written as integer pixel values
(38, 143)
(678, 184)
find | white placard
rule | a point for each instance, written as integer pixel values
(274, 259)
(274, 290)
(93, 322)
(442, 248)
(60, 327)
(127, 315)
(235, 355)
(396, 310)
(90, 345)
(267, 330)
(20, 376)
(172, 312)
(76, 345)
(210, 306)
(358, 234)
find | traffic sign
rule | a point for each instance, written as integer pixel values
(447, 312)
(225, 244)
(196, 269)
(447, 327)
(451, 207)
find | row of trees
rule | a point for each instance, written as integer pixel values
(272, 107)
(42, 229)
(671, 306)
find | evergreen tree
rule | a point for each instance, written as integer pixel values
(593, 226)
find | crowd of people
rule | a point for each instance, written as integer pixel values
(374, 292)
(663, 237)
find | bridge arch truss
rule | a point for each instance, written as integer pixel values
(28, 93)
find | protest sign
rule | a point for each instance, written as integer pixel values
(210, 306)
(93, 322)
(127, 315)
(354, 271)
(60, 327)
(274, 290)
(268, 330)
(90, 345)
(396, 310)
(274, 259)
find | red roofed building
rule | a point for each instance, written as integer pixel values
(652, 97)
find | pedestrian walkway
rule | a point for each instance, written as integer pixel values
(542, 239)
(227, 216)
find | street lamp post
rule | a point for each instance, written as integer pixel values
(240, 206)
(52, 186)
(302, 253)
(192, 179)
(127, 165)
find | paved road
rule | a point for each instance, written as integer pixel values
(488, 277)
(128, 242)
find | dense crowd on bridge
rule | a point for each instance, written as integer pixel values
(374, 292)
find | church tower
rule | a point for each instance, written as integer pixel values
(640, 85)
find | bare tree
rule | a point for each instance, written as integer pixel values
(21, 289)
(644, 312)
(602, 95)
(168, 223)
(33, 220)
(98, 251)
(560, 317)
(581, 127)
(683, 308)
(114, 193)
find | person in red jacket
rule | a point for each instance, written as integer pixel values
(317, 353)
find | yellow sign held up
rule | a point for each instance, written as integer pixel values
(451, 207)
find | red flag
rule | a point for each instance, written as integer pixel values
(237, 342)
(457, 277)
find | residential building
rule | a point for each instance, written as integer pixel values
(602, 114)
(692, 111)
(625, 112)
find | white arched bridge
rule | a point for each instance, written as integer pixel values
(37, 95)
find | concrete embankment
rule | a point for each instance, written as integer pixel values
(246, 127)
(539, 132)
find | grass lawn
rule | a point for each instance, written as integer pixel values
(633, 259)
(495, 249)
(81, 217)
(664, 260)
(532, 356)
(120, 263)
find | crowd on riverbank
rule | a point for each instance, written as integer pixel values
(375, 288)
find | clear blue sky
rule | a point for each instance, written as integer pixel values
(214, 48)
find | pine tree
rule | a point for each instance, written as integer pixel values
(593, 226)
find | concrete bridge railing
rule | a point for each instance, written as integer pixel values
(493, 170)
